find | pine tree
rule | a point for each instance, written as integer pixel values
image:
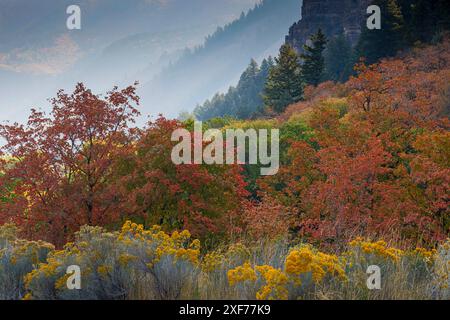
(266, 65)
(424, 19)
(338, 59)
(386, 42)
(313, 60)
(249, 91)
(243, 101)
(284, 85)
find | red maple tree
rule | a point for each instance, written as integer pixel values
(60, 165)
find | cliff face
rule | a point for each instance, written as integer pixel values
(332, 16)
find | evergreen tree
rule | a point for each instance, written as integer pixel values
(284, 85)
(185, 116)
(386, 42)
(243, 101)
(338, 59)
(249, 91)
(313, 59)
(424, 19)
(266, 65)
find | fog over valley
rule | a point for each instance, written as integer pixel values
(181, 52)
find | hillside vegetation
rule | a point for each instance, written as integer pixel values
(219, 61)
(364, 179)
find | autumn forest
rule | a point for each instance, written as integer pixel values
(363, 180)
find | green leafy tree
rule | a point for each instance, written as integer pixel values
(284, 85)
(313, 59)
(6, 193)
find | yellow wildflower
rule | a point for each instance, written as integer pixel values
(241, 274)
(379, 248)
(305, 260)
(275, 284)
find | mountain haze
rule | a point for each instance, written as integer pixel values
(119, 42)
(218, 63)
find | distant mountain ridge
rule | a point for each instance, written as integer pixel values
(219, 62)
(24, 23)
(334, 17)
(119, 42)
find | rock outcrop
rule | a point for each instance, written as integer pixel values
(332, 16)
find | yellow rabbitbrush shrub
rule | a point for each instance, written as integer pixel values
(146, 264)
(379, 249)
(17, 258)
(135, 263)
(215, 266)
(308, 273)
(302, 265)
(178, 244)
(272, 281)
(241, 274)
(275, 284)
(404, 273)
(221, 259)
(441, 272)
(427, 256)
(306, 260)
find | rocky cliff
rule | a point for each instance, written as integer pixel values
(332, 16)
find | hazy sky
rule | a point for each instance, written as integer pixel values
(39, 55)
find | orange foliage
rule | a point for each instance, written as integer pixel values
(85, 166)
(382, 169)
(267, 219)
(314, 95)
(418, 84)
(177, 196)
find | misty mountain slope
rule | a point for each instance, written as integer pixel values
(220, 61)
(144, 55)
(119, 42)
(26, 23)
